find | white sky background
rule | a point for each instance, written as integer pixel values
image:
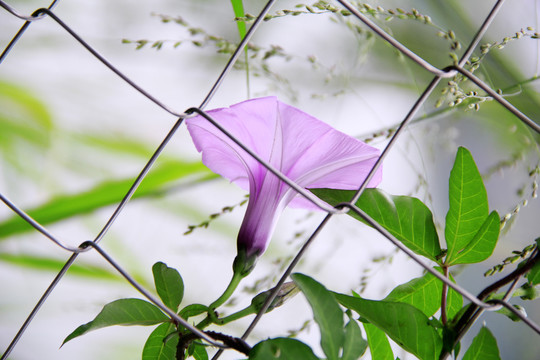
(85, 97)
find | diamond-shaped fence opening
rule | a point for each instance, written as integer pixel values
(367, 23)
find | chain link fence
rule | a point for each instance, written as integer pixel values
(438, 74)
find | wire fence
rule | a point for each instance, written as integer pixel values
(438, 74)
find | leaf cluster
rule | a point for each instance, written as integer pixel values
(423, 308)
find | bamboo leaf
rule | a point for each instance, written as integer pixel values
(105, 194)
(238, 8)
(50, 264)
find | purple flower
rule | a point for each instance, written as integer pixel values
(306, 150)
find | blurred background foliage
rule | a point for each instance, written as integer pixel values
(73, 137)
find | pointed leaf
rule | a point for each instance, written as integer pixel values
(454, 301)
(482, 245)
(282, 349)
(468, 204)
(124, 312)
(355, 345)
(156, 348)
(511, 315)
(199, 352)
(425, 293)
(403, 323)
(483, 347)
(379, 346)
(169, 285)
(326, 312)
(193, 310)
(407, 218)
(534, 274)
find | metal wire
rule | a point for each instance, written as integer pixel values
(149, 296)
(28, 18)
(447, 72)
(36, 225)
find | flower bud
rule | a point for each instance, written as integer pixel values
(287, 291)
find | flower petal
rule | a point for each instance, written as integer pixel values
(305, 149)
(252, 122)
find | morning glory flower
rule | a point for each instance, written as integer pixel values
(308, 151)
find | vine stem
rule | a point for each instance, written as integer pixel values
(233, 284)
(473, 312)
(444, 296)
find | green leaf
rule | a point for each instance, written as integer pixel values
(169, 285)
(407, 218)
(483, 347)
(23, 116)
(282, 349)
(326, 312)
(406, 325)
(156, 348)
(355, 345)
(527, 292)
(116, 143)
(468, 204)
(50, 264)
(454, 301)
(379, 346)
(25, 124)
(199, 352)
(238, 8)
(425, 293)
(105, 194)
(511, 315)
(16, 99)
(193, 310)
(482, 245)
(124, 312)
(534, 274)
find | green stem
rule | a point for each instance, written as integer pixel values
(236, 278)
(237, 315)
(204, 323)
(247, 72)
(444, 297)
(212, 317)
